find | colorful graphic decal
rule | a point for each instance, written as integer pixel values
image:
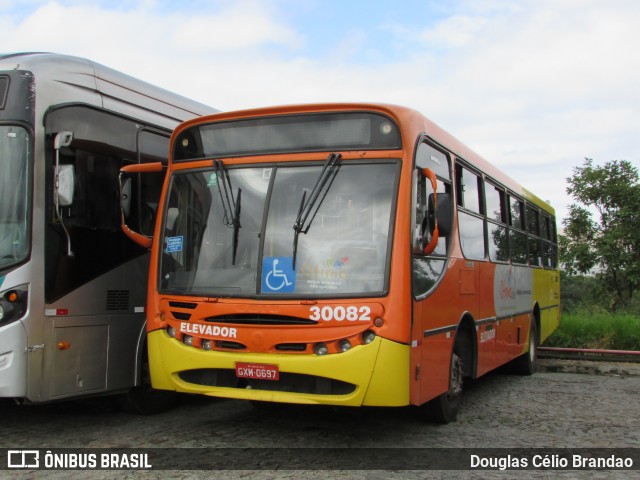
(329, 274)
(512, 289)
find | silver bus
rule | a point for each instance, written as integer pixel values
(72, 285)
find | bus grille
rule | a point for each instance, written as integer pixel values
(288, 382)
(292, 347)
(260, 319)
(187, 305)
(230, 345)
(117, 300)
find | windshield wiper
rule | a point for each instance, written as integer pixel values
(309, 207)
(230, 205)
(236, 226)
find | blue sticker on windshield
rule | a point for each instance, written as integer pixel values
(278, 275)
(174, 244)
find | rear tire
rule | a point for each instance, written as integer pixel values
(525, 364)
(145, 400)
(444, 408)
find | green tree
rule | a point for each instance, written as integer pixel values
(602, 230)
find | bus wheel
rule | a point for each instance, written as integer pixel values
(525, 364)
(145, 400)
(444, 408)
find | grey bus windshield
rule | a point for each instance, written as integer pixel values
(14, 195)
(344, 252)
(288, 133)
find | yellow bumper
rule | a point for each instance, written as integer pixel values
(379, 371)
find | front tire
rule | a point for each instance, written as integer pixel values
(444, 408)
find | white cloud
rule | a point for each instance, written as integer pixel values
(533, 86)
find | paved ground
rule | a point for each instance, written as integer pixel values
(556, 408)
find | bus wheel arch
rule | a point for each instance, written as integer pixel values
(444, 408)
(465, 345)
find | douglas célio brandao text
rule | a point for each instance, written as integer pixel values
(550, 461)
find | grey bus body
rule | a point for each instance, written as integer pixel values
(72, 286)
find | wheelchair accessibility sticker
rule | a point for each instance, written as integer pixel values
(278, 275)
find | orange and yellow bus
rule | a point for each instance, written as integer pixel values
(343, 254)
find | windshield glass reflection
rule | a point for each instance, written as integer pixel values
(14, 195)
(344, 252)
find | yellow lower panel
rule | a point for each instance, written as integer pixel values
(379, 371)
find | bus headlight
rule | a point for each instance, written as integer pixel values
(206, 344)
(344, 345)
(368, 337)
(320, 349)
(188, 340)
(171, 331)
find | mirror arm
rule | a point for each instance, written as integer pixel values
(153, 167)
(136, 237)
(431, 246)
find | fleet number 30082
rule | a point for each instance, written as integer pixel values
(340, 313)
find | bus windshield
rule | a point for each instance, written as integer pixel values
(14, 195)
(230, 232)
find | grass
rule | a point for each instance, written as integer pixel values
(597, 329)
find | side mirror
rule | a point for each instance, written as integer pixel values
(64, 182)
(441, 213)
(65, 185)
(64, 174)
(125, 196)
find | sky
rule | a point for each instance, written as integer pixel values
(533, 86)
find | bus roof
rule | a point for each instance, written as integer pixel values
(412, 124)
(78, 79)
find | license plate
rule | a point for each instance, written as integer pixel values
(257, 371)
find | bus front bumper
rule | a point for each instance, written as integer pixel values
(13, 361)
(367, 375)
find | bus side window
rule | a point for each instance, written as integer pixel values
(547, 242)
(498, 240)
(517, 235)
(470, 218)
(533, 230)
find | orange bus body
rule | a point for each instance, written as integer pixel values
(483, 310)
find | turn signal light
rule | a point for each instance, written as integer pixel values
(12, 296)
(13, 305)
